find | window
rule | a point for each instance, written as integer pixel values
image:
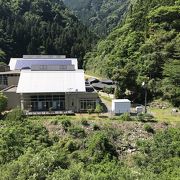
(3, 80)
(86, 104)
(43, 67)
(44, 102)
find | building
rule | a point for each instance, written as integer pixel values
(102, 85)
(48, 83)
(120, 106)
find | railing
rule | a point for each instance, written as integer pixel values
(44, 113)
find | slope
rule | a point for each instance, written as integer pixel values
(144, 48)
(41, 27)
(101, 16)
(66, 148)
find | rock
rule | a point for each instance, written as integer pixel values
(131, 150)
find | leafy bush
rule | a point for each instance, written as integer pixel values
(15, 115)
(72, 145)
(84, 122)
(140, 117)
(126, 117)
(54, 122)
(77, 132)
(108, 90)
(37, 165)
(96, 127)
(100, 147)
(98, 109)
(17, 138)
(90, 110)
(66, 124)
(3, 102)
(145, 117)
(157, 154)
(148, 128)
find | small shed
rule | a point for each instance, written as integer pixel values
(120, 106)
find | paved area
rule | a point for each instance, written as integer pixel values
(107, 104)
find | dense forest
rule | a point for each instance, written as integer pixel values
(64, 148)
(101, 16)
(145, 48)
(41, 27)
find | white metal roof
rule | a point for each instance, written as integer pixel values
(121, 100)
(13, 61)
(51, 81)
(44, 56)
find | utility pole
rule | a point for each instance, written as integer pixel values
(145, 98)
(145, 110)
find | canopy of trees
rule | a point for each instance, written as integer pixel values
(144, 48)
(41, 27)
(100, 15)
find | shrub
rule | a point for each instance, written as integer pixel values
(126, 117)
(66, 124)
(37, 165)
(161, 153)
(145, 117)
(17, 138)
(77, 132)
(98, 109)
(15, 115)
(148, 128)
(84, 122)
(72, 146)
(54, 122)
(96, 127)
(3, 102)
(140, 117)
(149, 117)
(100, 147)
(90, 111)
(108, 90)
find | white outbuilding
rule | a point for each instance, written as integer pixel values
(120, 106)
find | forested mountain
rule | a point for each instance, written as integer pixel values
(100, 15)
(41, 27)
(144, 48)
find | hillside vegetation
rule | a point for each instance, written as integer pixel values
(41, 27)
(145, 48)
(101, 16)
(63, 147)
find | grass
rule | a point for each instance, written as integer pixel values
(78, 117)
(165, 115)
(161, 115)
(106, 98)
(89, 74)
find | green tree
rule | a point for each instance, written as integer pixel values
(99, 109)
(41, 27)
(101, 16)
(145, 45)
(2, 55)
(3, 102)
